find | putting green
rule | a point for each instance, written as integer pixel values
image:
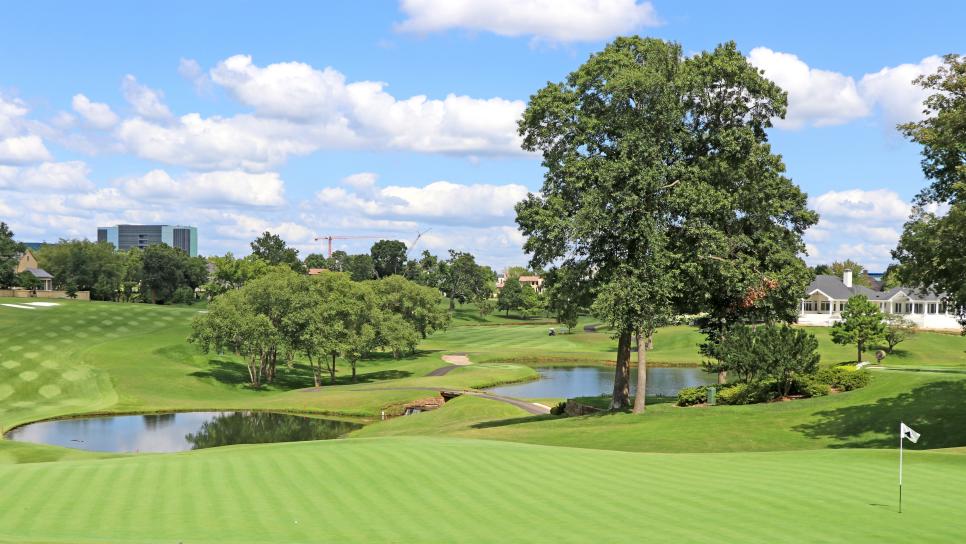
(446, 490)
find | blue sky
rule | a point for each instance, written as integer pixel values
(393, 117)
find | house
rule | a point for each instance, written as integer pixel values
(28, 263)
(827, 296)
(535, 282)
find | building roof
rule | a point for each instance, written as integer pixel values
(316, 271)
(833, 287)
(530, 278)
(40, 273)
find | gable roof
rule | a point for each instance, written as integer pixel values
(40, 273)
(833, 287)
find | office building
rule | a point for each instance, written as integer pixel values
(141, 236)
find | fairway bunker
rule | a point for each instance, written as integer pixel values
(164, 433)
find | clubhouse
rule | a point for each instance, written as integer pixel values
(827, 295)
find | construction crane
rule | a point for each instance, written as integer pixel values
(418, 236)
(370, 237)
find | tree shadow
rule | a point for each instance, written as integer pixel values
(298, 376)
(512, 421)
(937, 410)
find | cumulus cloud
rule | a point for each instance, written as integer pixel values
(863, 225)
(222, 187)
(193, 72)
(23, 149)
(892, 90)
(68, 176)
(363, 113)
(821, 97)
(815, 97)
(549, 20)
(97, 114)
(145, 101)
(437, 202)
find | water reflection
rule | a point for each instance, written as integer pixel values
(179, 432)
(589, 381)
(261, 427)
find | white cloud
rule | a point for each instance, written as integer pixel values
(438, 202)
(879, 205)
(857, 224)
(222, 187)
(193, 72)
(363, 114)
(23, 149)
(145, 101)
(242, 141)
(815, 97)
(12, 110)
(822, 97)
(549, 20)
(68, 176)
(892, 90)
(97, 114)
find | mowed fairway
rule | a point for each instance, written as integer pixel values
(451, 490)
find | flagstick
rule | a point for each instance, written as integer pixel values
(900, 466)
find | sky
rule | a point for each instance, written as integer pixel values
(390, 118)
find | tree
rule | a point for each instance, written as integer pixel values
(462, 279)
(82, 265)
(652, 157)
(273, 250)
(231, 273)
(388, 257)
(417, 305)
(567, 291)
(326, 335)
(425, 271)
(316, 260)
(231, 323)
(892, 277)
(164, 269)
(510, 296)
(360, 267)
(932, 248)
(338, 261)
(10, 250)
(28, 281)
(861, 324)
(770, 351)
(860, 276)
(898, 329)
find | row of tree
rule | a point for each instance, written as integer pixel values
(157, 274)
(283, 315)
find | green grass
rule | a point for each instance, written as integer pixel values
(445, 490)
(803, 471)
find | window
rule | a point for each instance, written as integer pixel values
(824, 306)
(931, 308)
(917, 308)
(809, 305)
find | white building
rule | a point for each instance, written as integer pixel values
(827, 295)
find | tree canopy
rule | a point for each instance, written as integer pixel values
(272, 249)
(861, 324)
(388, 257)
(932, 248)
(9, 251)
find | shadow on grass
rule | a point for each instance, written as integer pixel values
(512, 421)
(937, 410)
(297, 377)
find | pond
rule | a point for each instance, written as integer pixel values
(590, 381)
(179, 432)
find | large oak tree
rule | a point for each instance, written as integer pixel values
(661, 186)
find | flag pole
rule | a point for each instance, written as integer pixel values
(900, 466)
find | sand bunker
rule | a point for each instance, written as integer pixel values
(21, 306)
(459, 360)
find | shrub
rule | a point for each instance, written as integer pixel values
(689, 396)
(810, 386)
(183, 295)
(559, 409)
(748, 393)
(845, 378)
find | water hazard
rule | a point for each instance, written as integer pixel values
(590, 381)
(179, 432)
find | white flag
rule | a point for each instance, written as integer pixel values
(907, 432)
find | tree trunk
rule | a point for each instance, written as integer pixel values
(639, 396)
(722, 377)
(859, 344)
(332, 369)
(619, 400)
(452, 303)
(353, 372)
